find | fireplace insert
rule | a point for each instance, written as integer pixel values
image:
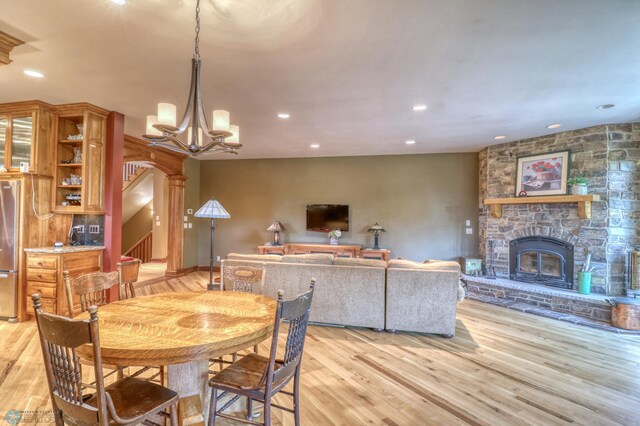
(541, 260)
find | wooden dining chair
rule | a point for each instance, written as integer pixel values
(243, 278)
(127, 276)
(92, 289)
(126, 401)
(260, 378)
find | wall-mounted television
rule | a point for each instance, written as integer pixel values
(325, 217)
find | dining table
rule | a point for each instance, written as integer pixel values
(181, 332)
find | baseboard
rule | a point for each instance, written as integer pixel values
(158, 260)
(206, 268)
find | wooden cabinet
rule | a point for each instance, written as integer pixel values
(44, 276)
(26, 135)
(272, 250)
(80, 160)
(380, 254)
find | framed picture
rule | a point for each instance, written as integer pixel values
(544, 174)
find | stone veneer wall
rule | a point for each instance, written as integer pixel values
(609, 155)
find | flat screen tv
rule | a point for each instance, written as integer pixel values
(325, 217)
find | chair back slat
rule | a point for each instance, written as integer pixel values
(59, 338)
(92, 289)
(243, 278)
(128, 275)
(297, 312)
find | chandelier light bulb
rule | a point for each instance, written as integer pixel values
(167, 114)
(151, 120)
(235, 138)
(221, 120)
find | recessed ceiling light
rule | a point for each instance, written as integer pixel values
(33, 73)
(410, 142)
(499, 137)
(419, 107)
(283, 115)
(605, 106)
(314, 145)
(119, 1)
(554, 126)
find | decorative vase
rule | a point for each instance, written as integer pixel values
(579, 189)
(77, 156)
(333, 240)
(545, 176)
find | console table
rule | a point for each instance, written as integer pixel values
(340, 250)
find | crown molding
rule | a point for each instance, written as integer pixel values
(7, 43)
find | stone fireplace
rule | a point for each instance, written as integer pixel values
(609, 156)
(541, 260)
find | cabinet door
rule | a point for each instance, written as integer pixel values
(21, 140)
(93, 164)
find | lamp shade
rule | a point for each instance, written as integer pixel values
(212, 209)
(377, 228)
(276, 226)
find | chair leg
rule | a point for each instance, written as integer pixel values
(120, 373)
(57, 415)
(296, 396)
(174, 415)
(255, 349)
(267, 411)
(213, 407)
(249, 408)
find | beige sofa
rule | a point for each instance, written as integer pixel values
(401, 295)
(423, 297)
(347, 292)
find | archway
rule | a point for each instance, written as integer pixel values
(172, 165)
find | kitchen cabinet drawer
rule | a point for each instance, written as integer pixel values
(46, 275)
(44, 289)
(42, 262)
(48, 305)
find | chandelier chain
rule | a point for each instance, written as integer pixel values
(197, 50)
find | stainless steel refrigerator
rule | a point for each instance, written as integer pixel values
(9, 218)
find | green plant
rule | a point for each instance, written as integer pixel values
(578, 180)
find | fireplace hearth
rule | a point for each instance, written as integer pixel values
(541, 260)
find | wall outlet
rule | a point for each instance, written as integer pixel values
(218, 258)
(79, 229)
(186, 219)
(469, 231)
(94, 229)
(468, 222)
(190, 225)
(186, 225)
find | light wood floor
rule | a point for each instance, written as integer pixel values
(502, 368)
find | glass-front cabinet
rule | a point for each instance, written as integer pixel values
(16, 140)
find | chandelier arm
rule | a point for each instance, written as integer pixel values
(178, 142)
(209, 147)
(201, 115)
(188, 111)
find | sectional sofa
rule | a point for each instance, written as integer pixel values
(399, 295)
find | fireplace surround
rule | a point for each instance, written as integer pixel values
(541, 260)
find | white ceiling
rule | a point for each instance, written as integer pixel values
(348, 71)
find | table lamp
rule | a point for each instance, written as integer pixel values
(376, 229)
(212, 209)
(276, 227)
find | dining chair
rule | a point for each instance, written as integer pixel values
(91, 289)
(240, 278)
(260, 378)
(126, 401)
(127, 276)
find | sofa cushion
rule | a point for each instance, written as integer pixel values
(350, 261)
(256, 257)
(312, 259)
(438, 265)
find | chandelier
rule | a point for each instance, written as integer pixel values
(162, 131)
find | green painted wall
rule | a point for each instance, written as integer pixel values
(191, 201)
(422, 201)
(137, 227)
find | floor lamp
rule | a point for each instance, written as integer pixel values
(213, 210)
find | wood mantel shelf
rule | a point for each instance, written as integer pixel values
(583, 201)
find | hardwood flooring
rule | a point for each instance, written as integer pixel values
(502, 368)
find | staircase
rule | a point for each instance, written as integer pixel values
(131, 172)
(142, 249)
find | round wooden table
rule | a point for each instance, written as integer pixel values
(182, 331)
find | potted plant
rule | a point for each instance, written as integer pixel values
(334, 235)
(578, 185)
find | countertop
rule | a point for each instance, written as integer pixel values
(63, 249)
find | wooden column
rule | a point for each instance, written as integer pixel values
(113, 195)
(176, 226)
